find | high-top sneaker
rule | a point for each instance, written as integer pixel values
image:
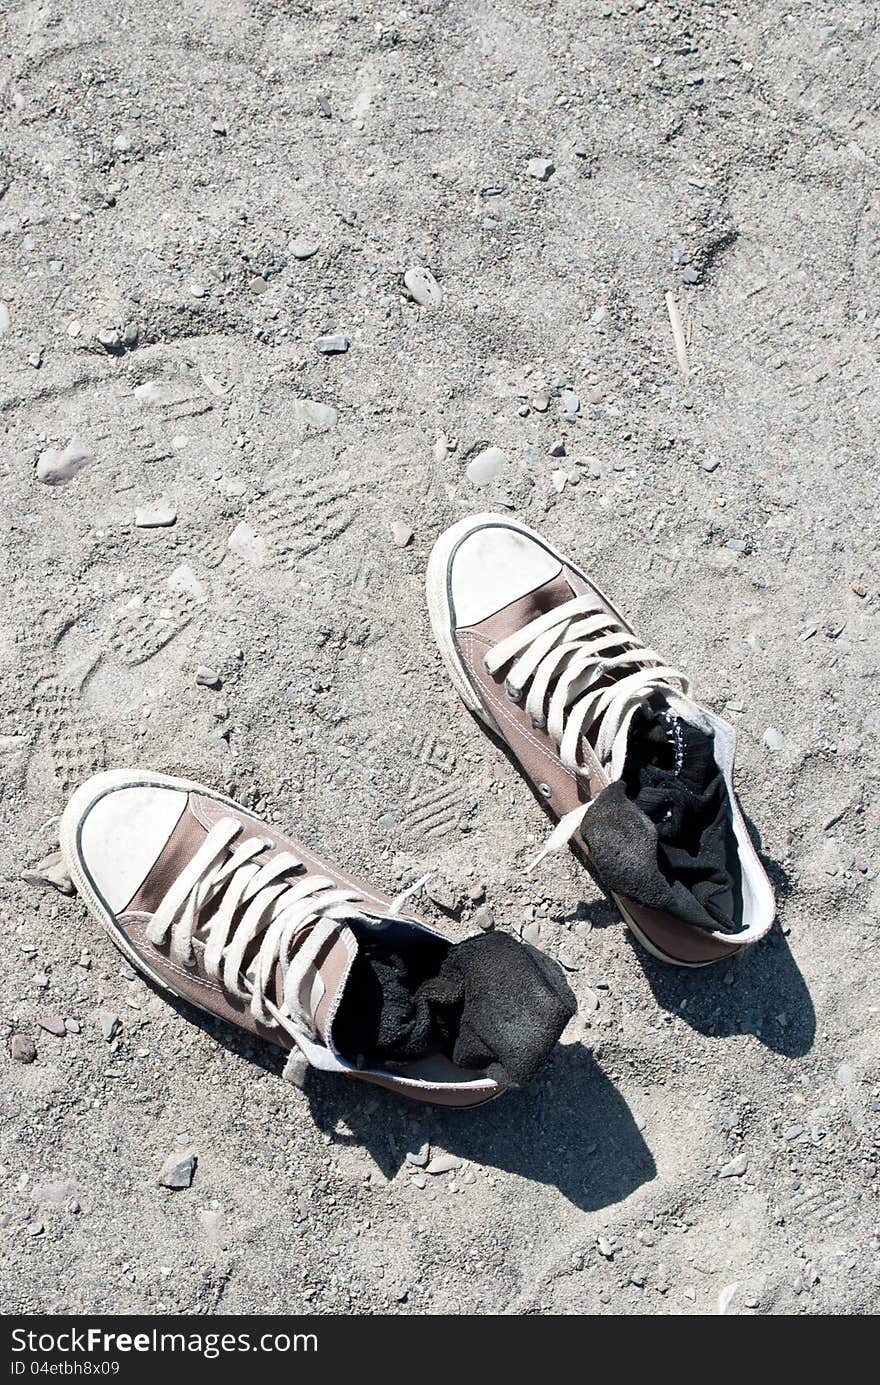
(638, 774)
(218, 908)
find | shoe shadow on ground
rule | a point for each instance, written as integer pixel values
(760, 992)
(570, 1128)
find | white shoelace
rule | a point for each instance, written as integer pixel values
(273, 905)
(568, 655)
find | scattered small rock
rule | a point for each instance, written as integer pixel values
(735, 1167)
(333, 345)
(484, 918)
(258, 285)
(726, 1297)
(5, 320)
(401, 533)
(542, 169)
(442, 1163)
(207, 677)
(178, 1171)
(772, 739)
(304, 247)
(110, 1024)
(53, 1024)
(247, 545)
(419, 1157)
(22, 1048)
(155, 517)
(50, 871)
(312, 414)
(56, 466)
(423, 287)
(531, 933)
(486, 467)
(109, 337)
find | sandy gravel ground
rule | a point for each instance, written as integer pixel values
(192, 192)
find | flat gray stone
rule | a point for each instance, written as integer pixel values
(542, 169)
(735, 1167)
(772, 739)
(486, 467)
(423, 287)
(309, 413)
(57, 465)
(248, 545)
(401, 533)
(155, 517)
(178, 1171)
(53, 1024)
(442, 1163)
(110, 1024)
(333, 345)
(304, 247)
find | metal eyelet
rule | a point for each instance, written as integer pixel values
(546, 790)
(513, 694)
(268, 844)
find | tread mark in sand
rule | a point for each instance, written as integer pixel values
(434, 802)
(139, 634)
(75, 748)
(316, 513)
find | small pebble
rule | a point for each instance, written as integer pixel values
(442, 1163)
(110, 1024)
(486, 467)
(22, 1048)
(178, 1170)
(333, 345)
(258, 285)
(248, 545)
(401, 533)
(155, 517)
(542, 169)
(304, 247)
(772, 739)
(312, 414)
(53, 1024)
(207, 677)
(423, 287)
(735, 1167)
(484, 918)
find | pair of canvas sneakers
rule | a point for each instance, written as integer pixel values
(253, 927)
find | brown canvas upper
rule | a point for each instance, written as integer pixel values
(203, 811)
(559, 788)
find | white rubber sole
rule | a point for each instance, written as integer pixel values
(78, 806)
(440, 614)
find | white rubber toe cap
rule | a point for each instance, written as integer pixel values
(494, 565)
(115, 828)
